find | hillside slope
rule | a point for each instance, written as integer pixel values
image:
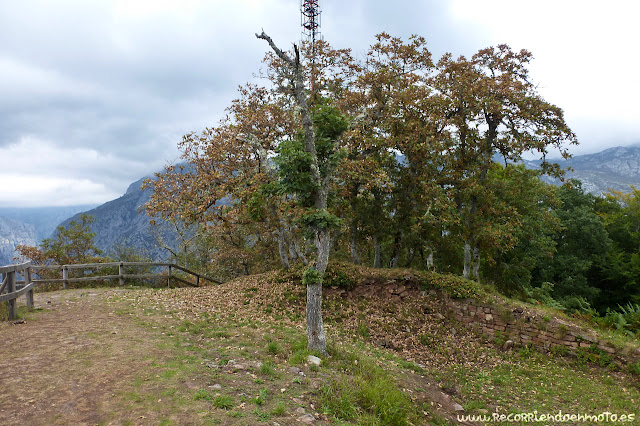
(120, 222)
(13, 233)
(236, 354)
(614, 168)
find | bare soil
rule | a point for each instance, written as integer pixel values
(119, 356)
(73, 361)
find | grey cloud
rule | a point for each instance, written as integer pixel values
(84, 75)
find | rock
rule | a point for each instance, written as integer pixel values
(458, 407)
(217, 386)
(307, 418)
(385, 343)
(294, 370)
(439, 316)
(300, 411)
(314, 360)
(507, 345)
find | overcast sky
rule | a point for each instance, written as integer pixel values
(95, 94)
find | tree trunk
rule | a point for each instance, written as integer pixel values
(429, 260)
(354, 251)
(283, 248)
(466, 270)
(299, 253)
(377, 262)
(471, 261)
(475, 263)
(317, 340)
(397, 240)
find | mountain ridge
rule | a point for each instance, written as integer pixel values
(119, 223)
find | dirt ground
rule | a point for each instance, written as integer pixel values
(71, 363)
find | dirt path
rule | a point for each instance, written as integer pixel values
(70, 364)
(139, 357)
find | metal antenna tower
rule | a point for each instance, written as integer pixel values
(310, 20)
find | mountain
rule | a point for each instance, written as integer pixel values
(614, 168)
(13, 233)
(29, 226)
(44, 219)
(119, 224)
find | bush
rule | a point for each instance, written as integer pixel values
(455, 286)
(341, 275)
(625, 319)
(542, 294)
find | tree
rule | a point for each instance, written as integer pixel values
(523, 227)
(71, 245)
(580, 242)
(492, 108)
(307, 168)
(617, 273)
(395, 150)
(390, 179)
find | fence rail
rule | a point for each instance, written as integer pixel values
(9, 291)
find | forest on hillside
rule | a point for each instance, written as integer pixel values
(393, 156)
(401, 160)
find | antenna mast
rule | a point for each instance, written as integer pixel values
(311, 30)
(311, 20)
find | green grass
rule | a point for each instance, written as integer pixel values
(365, 393)
(358, 383)
(223, 402)
(527, 381)
(273, 348)
(203, 394)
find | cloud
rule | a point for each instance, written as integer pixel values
(584, 59)
(116, 83)
(39, 170)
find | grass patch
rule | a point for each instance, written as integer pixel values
(366, 394)
(224, 402)
(273, 348)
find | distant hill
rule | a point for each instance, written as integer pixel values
(118, 223)
(29, 226)
(13, 233)
(44, 219)
(614, 168)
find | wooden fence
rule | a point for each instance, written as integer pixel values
(27, 284)
(9, 283)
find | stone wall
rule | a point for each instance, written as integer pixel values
(513, 325)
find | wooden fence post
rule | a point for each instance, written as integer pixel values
(11, 287)
(169, 277)
(121, 274)
(65, 277)
(27, 281)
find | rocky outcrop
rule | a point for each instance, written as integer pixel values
(13, 233)
(614, 168)
(121, 223)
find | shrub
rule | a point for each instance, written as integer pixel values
(457, 287)
(626, 319)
